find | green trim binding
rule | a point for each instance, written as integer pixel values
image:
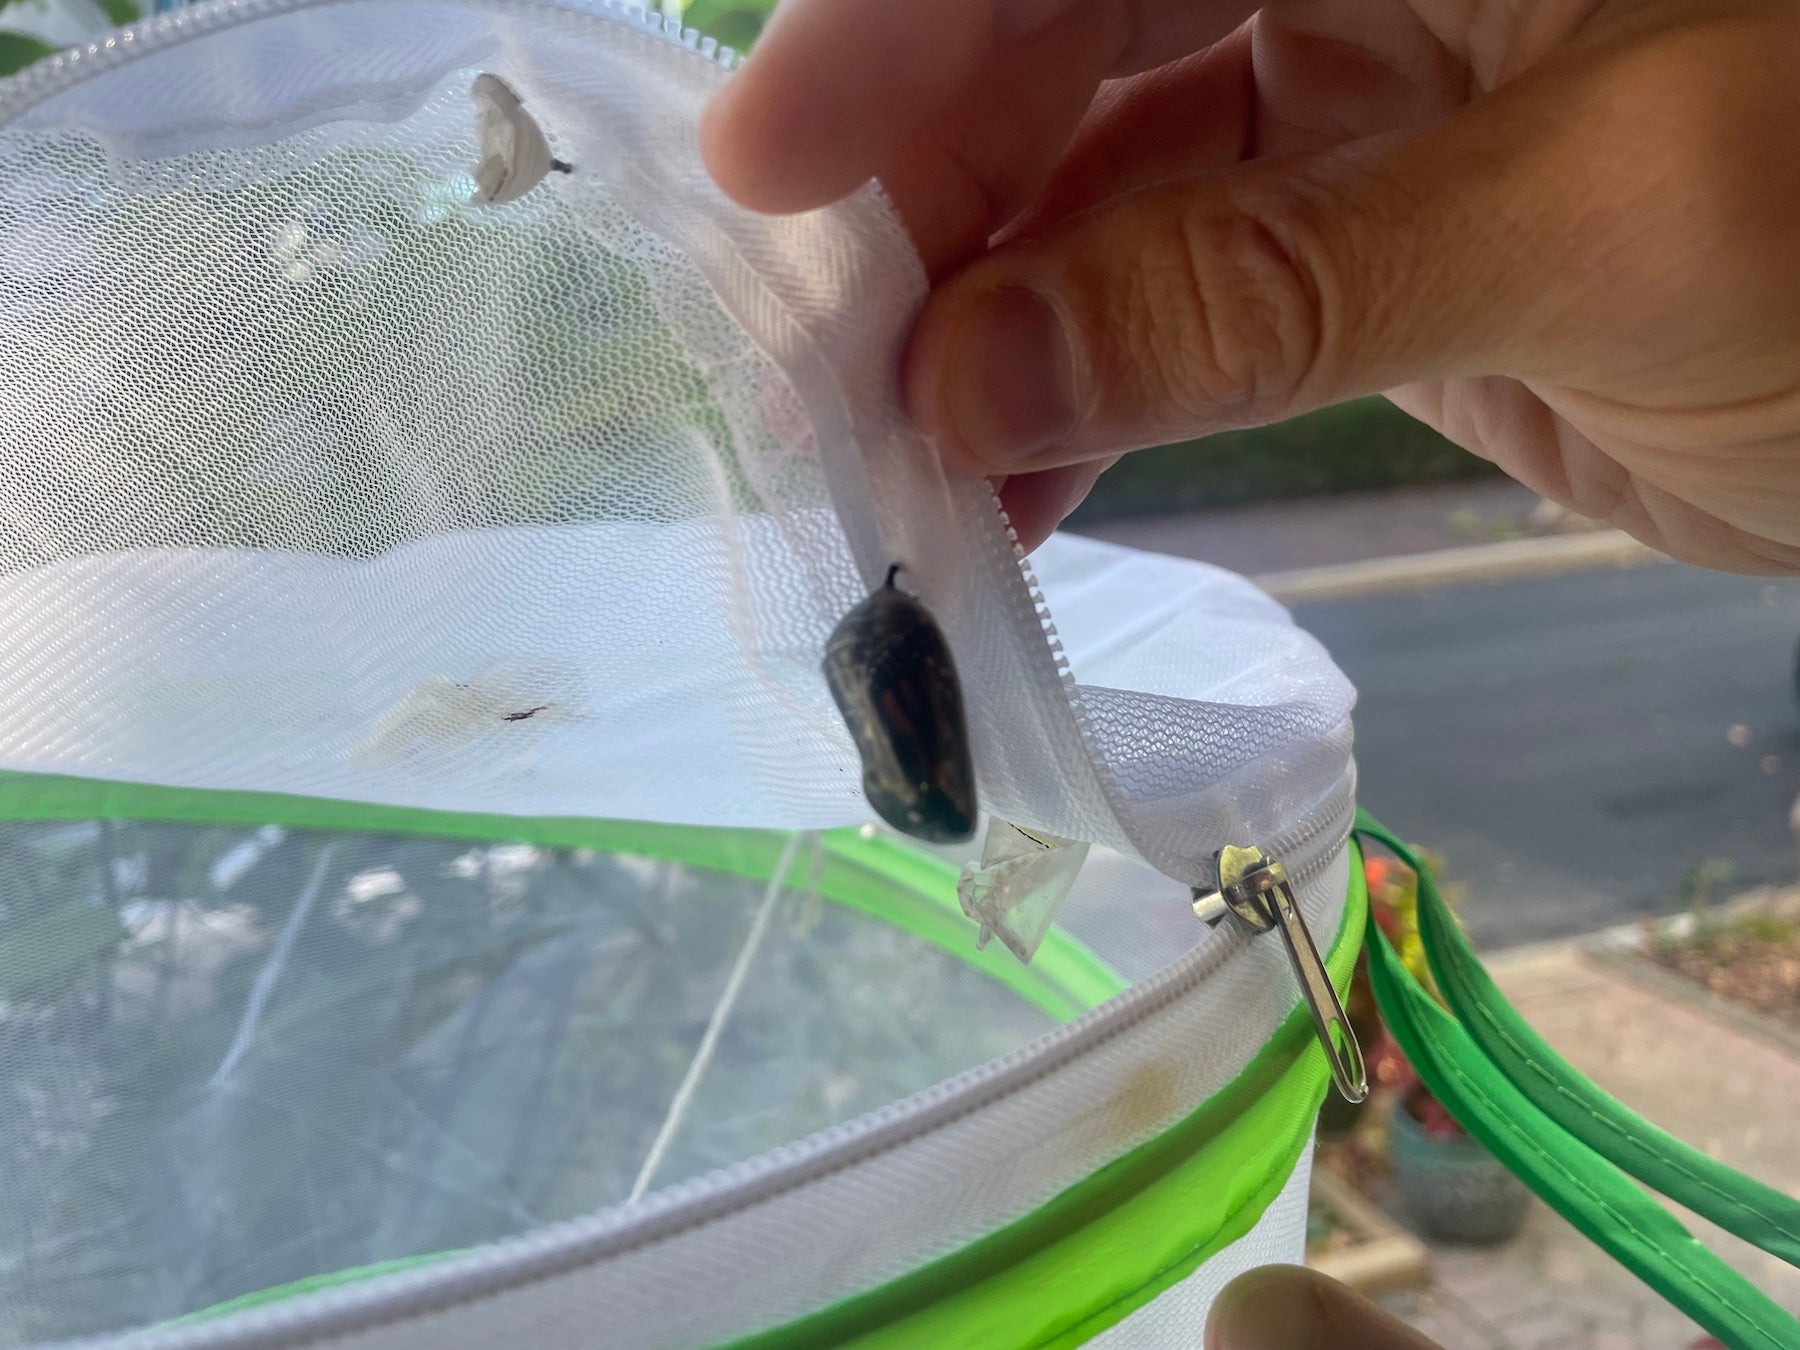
(877, 875)
(1109, 1244)
(1574, 1180)
(1739, 1204)
(1113, 1241)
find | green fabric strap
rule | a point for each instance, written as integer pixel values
(1739, 1204)
(1572, 1177)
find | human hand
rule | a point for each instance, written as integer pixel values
(1566, 233)
(1288, 1308)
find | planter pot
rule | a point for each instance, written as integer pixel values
(1454, 1188)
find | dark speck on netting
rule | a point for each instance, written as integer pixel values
(521, 716)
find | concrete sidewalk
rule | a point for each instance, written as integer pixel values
(1332, 531)
(1714, 1082)
(1374, 543)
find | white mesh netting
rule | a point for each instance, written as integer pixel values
(326, 481)
(323, 472)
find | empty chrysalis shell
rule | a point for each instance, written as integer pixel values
(515, 156)
(892, 675)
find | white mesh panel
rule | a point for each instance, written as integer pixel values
(320, 469)
(801, 1228)
(1176, 1319)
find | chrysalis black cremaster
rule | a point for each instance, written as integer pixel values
(892, 675)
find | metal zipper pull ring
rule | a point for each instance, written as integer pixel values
(1255, 888)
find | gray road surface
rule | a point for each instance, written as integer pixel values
(1575, 744)
(1324, 531)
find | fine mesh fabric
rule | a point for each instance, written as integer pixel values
(1176, 1318)
(323, 472)
(276, 1053)
(325, 480)
(799, 1228)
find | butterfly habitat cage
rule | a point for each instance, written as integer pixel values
(512, 752)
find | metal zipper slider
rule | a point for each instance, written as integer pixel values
(1255, 888)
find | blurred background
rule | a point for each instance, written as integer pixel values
(1585, 734)
(1599, 747)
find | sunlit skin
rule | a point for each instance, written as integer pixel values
(1560, 231)
(1566, 233)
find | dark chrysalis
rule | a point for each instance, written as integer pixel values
(891, 673)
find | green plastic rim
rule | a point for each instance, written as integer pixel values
(1056, 1276)
(873, 873)
(1113, 1241)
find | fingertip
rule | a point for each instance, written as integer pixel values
(718, 149)
(919, 365)
(1238, 1318)
(1036, 504)
(1293, 1308)
(834, 91)
(928, 380)
(759, 150)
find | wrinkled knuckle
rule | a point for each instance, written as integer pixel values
(1240, 307)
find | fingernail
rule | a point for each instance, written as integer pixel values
(1006, 382)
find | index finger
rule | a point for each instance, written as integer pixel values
(835, 89)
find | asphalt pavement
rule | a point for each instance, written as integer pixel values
(1576, 745)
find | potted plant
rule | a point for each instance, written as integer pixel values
(1453, 1187)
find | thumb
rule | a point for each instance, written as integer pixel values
(1289, 1308)
(1193, 307)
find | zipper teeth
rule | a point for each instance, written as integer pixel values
(559, 1248)
(1312, 847)
(56, 73)
(1040, 613)
(50, 76)
(1300, 841)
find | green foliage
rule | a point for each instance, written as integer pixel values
(734, 23)
(1364, 445)
(1722, 937)
(18, 51)
(1701, 882)
(212, 1084)
(1774, 929)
